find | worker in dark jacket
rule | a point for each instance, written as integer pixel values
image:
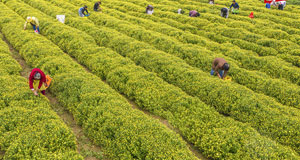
(224, 12)
(82, 10)
(149, 9)
(220, 67)
(97, 6)
(280, 6)
(236, 7)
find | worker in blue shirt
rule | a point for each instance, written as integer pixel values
(82, 10)
(268, 5)
(235, 9)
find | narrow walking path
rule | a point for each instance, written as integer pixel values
(84, 146)
(165, 122)
(2, 153)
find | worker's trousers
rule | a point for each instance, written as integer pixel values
(221, 72)
(36, 28)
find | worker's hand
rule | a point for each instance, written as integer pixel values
(46, 85)
(35, 93)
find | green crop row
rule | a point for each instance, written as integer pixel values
(273, 66)
(186, 37)
(216, 18)
(29, 129)
(255, 24)
(7, 63)
(107, 118)
(130, 46)
(256, 81)
(107, 20)
(261, 49)
(295, 2)
(230, 33)
(245, 10)
(248, 6)
(259, 23)
(212, 13)
(289, 10)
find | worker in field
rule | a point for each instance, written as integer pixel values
(280, 6)
(283, 3)
(82, 10)
(268, 5)
(97, 6)
(149, 9)
(251, 15)
(211, 1)
(38, 81)
(220, 67)
(194, 13)
(34, 22)
(235, 7)
(273, 3)
(180, 11)
(224, 12)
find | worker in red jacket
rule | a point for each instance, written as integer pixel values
(37, 81)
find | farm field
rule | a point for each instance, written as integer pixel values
(127, 85)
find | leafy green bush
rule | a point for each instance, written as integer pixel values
(157, 96)
(72, 87)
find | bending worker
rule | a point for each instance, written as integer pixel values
(82, 10)
(224, 12)
(236, 7)
(34, 22)
(194, 13)
(280, 6)
(97, 6)
(38, 81)
(149, 9)
(221, 67)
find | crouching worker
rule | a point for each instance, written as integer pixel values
(149, 9)
(34, 22)
(236, 7)
(82, 10)
(220, 66)
(194, 13)
(38, 82)
(97, 6)
(224, 12)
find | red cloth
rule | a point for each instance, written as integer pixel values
(269, 1)
(251, 15)
(31, 77)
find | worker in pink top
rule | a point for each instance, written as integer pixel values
(194, 13)
(38, 81)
